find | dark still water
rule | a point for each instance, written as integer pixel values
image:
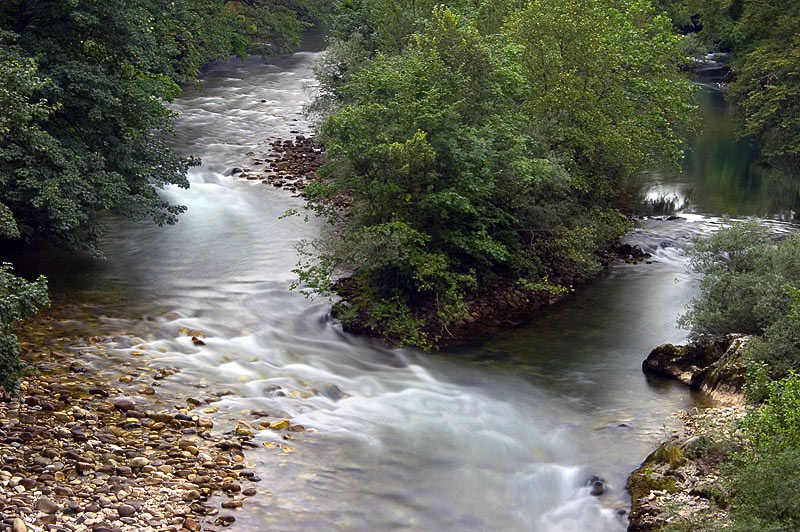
(721, 175)
(500, 436)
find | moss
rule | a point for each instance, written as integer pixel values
(644, 480)
(668, 453)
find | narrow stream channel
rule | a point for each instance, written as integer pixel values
(503, 435)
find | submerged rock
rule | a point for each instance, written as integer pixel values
(598, 486)
(124, 404)
(279, 425)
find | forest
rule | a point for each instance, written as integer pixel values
(481, 162)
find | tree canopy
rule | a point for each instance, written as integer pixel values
(483, 143)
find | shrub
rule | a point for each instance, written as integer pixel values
(764, 478)
(747, 288)
(18, 299)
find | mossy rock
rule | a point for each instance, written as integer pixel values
(651, 476)
(668, 453)
(644, 480)
(685, 362)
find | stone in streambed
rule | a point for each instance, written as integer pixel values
(279, 425)
(191, 495)
(126, 510)
(45, 505)
(598, 486)
(225, 520)
(162, 417)
(124, 404)
(18, 525)
(139, 462)
(231, 504)
(243, 431)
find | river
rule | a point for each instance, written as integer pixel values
(502, 435)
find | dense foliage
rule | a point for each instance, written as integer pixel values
(484, 143)
(751, 285)
(18, 300)
(764, 487)
(748, 287)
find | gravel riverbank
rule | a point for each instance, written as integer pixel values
(80, 452)
(680, 481)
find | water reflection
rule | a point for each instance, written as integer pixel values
(721, 174)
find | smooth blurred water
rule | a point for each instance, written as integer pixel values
(503, 435)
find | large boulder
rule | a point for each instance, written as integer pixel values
(724, 380)
(714, 366)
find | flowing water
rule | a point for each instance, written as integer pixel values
(502, 435)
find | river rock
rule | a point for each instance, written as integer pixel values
(162, 417)
(45, 505)
(191, 495)
(225, 520)
(243, 431)
(231, 504)
(139, 462)
(713, 365)
(598, 486)
(18, 525)
(684, 362)
(279, 425)
(126, 510)
(124, 404)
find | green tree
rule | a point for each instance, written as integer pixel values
(602, 78)
(763, 39)
(84, 126)
(767, 86)
(765, 493)
(483, 145)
